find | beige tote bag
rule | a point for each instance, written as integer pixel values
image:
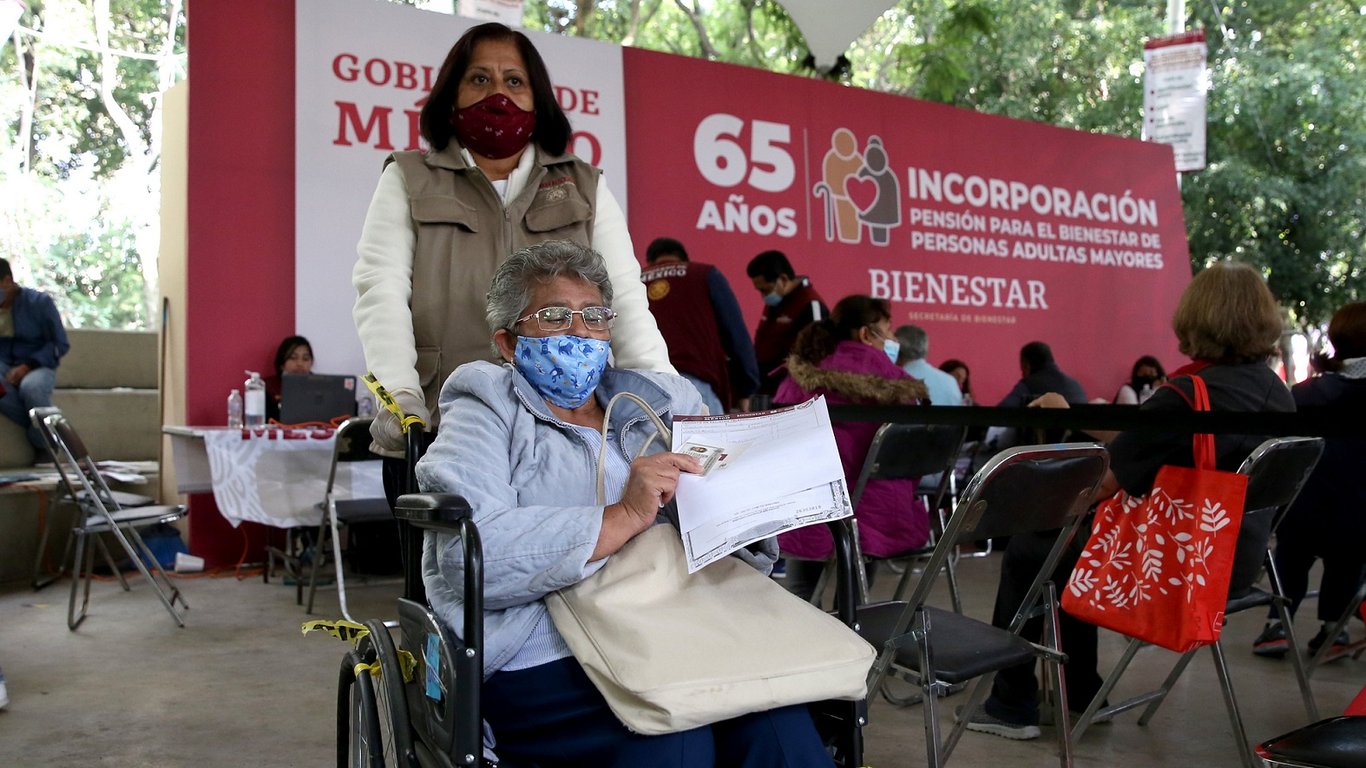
(672, 651)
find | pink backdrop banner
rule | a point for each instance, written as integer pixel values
(986, 231)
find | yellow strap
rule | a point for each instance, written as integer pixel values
(406, 665)
(387, 400)
(341, 629)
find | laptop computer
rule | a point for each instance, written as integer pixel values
(316, 397)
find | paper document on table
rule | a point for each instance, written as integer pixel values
(763, 474)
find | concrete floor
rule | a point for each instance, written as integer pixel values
(240, 685)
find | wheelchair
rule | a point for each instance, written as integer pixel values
(414, 702)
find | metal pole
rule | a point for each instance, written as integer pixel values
(1176, 24)
(1176, 16)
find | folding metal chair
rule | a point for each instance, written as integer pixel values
(908, 452)
(1338, 742)
(1276, 472)
(1021, 491)
(352, 445)
(124, 499)
(99, 512)
(1353, 649)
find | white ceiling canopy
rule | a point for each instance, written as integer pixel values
(829, 28)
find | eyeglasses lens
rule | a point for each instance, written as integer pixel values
(561, 318)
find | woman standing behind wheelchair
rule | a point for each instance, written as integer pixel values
(519, 441)
(498, 176)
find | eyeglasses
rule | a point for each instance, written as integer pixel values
(553, 319)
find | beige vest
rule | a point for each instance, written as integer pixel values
(464, 232)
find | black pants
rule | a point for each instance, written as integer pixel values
(552, 715)
(1014, 696)
(1343, 560)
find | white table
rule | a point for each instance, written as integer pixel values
(277, 477)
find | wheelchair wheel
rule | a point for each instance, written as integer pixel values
(359, 740)
(396, 732)
(377, 732)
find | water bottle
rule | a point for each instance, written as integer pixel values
(235, 409)
(365, 408)
(255, 409)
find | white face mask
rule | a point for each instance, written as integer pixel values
(893, 349)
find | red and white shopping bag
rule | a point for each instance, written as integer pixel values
(1157, 567)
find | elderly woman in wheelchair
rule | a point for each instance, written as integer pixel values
(521, 443)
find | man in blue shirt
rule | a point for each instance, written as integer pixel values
(915, 345)
(32, 342)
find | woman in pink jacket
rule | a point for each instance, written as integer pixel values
(850, 358)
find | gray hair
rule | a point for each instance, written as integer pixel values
(511, 289)
(915, 343)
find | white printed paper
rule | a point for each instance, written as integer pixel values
(766, 473)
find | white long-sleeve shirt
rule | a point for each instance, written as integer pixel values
(383, 280)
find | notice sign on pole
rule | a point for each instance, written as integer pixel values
(1174, 89)
(507, 12)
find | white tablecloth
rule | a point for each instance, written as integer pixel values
(277, 478)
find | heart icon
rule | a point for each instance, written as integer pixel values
(863, 192)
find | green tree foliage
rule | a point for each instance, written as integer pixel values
(1286, 179)
(1287, 109)
(80, 91)
(1283, 189)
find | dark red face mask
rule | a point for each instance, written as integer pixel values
(494, 127)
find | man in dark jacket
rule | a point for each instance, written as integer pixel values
(790, 304)
(1039, 376)
(700, 320)
(32, 342)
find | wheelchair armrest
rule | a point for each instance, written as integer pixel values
(445, 513)
(433, 511)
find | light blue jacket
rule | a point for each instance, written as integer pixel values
(531, 481)
(943, 386)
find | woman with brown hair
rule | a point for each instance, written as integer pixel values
(1228, 323)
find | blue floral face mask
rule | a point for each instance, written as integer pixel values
(563, 369)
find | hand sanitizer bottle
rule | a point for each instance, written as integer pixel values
(255, 409)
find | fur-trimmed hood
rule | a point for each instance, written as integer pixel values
(860, 387)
